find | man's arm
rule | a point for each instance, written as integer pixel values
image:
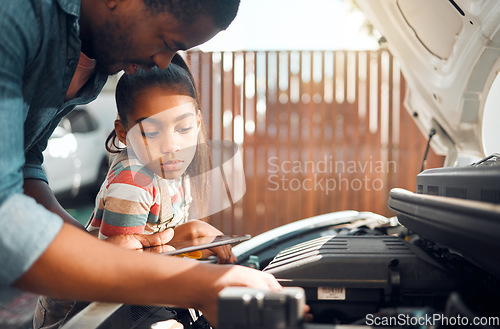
(41, 192)
(78, 266)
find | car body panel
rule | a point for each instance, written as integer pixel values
(75, 152)
(449, 52)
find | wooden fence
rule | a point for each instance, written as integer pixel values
(320, 132)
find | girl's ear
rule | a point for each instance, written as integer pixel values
(198, 120)
(121, 132)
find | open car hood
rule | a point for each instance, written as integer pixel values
(449, 53)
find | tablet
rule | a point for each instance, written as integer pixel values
(205, 242)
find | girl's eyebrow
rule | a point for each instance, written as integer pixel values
(145, 118)
(183, 116)
(179, 118)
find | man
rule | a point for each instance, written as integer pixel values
(56, 54)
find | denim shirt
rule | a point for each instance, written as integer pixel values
(39, 52)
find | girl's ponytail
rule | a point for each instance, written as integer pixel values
(111, 143)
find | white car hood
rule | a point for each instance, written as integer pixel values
(449, 53)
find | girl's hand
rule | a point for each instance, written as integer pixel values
(156, 243)
(197, 229)
(224, 254)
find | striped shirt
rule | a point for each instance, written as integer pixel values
(133, 199)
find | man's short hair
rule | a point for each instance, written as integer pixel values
(223, 12)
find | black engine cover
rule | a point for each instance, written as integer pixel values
(347, 277)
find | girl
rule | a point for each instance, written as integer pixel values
(148, 188)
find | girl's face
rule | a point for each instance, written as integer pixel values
(162, 131)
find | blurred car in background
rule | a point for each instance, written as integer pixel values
(75, 158)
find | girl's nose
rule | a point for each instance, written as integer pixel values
(170, 144)
(162, 60)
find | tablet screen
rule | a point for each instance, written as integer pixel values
(205, 242)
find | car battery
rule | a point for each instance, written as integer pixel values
(249, 308)
(347, 277)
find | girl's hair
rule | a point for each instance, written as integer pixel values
(177, 77)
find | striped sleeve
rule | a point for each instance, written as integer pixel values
(127, 205)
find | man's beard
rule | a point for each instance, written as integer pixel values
(111, 40)
(105, 67)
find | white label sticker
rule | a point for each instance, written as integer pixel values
(331, 293)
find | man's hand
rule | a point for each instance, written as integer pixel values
(232, 276)
(156, 243)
